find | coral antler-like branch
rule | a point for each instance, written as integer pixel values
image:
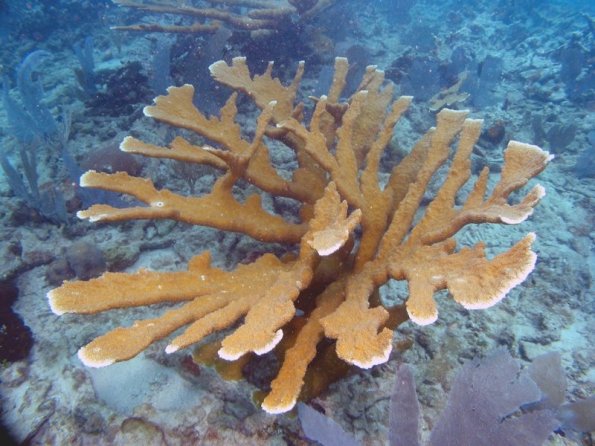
(262, 291)
(261, 15)
(353, 237)
(426, 259)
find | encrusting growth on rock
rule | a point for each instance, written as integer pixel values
(353, 237)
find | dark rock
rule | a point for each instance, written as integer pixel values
(16, 339)
(86, 260)
(58, 271)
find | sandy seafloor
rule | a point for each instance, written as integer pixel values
(52, 398)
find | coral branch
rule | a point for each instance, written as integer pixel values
(260, 15)
(354, 235)
(217, 209)
(262, 88)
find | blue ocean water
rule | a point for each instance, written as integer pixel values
(76, 78)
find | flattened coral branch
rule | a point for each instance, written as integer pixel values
(119, 290)
(428, 245)
(331, 227)
(228, 149)
(261, 15)
(285, 388)
(217, 209)
(355, 235)
(262, 292)
(262, 88)
(474, 281)
(521, 161)
(342, 167)
(179, 149)
(217, 15)
(216, 298)
(359, 330)
(328, 231)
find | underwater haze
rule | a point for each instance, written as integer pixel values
(83, 254)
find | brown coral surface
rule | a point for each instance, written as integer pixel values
(354, 235)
